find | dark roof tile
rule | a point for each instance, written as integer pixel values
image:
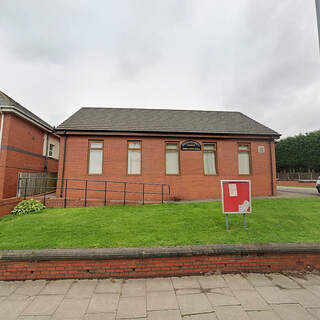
(165, 121)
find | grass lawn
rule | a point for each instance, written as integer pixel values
(272, 220)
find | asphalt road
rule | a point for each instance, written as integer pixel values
(296, 192)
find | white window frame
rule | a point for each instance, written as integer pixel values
(214, 151)
(89, 156)
(134, 149)
(177, 148)
(248, 152)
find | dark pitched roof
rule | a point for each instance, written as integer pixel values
(9, 102)
(163, 120)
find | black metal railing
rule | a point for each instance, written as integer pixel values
(100, 190)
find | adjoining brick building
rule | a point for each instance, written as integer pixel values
(189, 150)
(27, 144)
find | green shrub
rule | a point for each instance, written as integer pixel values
(27, 206)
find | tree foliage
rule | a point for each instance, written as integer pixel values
(301, 152)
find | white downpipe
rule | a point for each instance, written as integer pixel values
(1, 128)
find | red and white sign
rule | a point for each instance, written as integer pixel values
(236, 196)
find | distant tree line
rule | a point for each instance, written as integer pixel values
(299, 153)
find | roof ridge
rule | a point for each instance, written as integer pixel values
(161, 109)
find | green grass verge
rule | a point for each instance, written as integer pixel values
(272, 220)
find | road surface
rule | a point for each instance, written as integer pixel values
(297, 192)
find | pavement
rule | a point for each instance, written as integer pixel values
(221, 297)
(296, 192)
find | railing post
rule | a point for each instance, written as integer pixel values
(65, 193)
(124, 193)
(143, 193)
(162, 193)
(45, 190)
(85, 194)
(25, 188)
(105, 192)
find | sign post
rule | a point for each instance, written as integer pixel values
(236, 198)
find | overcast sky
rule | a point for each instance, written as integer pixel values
(254, 56)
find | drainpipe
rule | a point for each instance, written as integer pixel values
(64, 162)
(271, 167)
(1, 128)
(46, 158)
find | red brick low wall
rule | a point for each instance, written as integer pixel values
(296, 184)
(157, 267)
(6, 205)
(162, 262)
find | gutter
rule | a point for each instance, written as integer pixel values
(274, 135)
(24, 116)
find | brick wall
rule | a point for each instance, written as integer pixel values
(158, 267)
(190, 184)
(6, 205)
(27, 138)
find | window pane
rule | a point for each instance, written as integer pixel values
(95, 162)
(172, 162)
(244, 162)
(96, 145)
(243, 147)
(134, 161)
(134, 145)
(209, 147)
(172, 146)
(209, 163)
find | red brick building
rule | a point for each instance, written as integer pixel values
(190, 150)
(27, 144)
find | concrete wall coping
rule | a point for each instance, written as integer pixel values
(156, 252)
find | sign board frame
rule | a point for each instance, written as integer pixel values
(190, 145)
(236, 212)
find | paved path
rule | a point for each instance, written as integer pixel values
(296, 192)
(227, 297)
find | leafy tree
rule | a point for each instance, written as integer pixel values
(300, 153)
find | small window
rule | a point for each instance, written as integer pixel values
(172, 158)
(95, 157)
(51, 147)
(209, 158)
(134, 157)
(244, 158)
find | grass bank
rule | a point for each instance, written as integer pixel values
(272, 220)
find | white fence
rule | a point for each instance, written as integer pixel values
(297, 175)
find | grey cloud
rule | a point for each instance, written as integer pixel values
(258, 57)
